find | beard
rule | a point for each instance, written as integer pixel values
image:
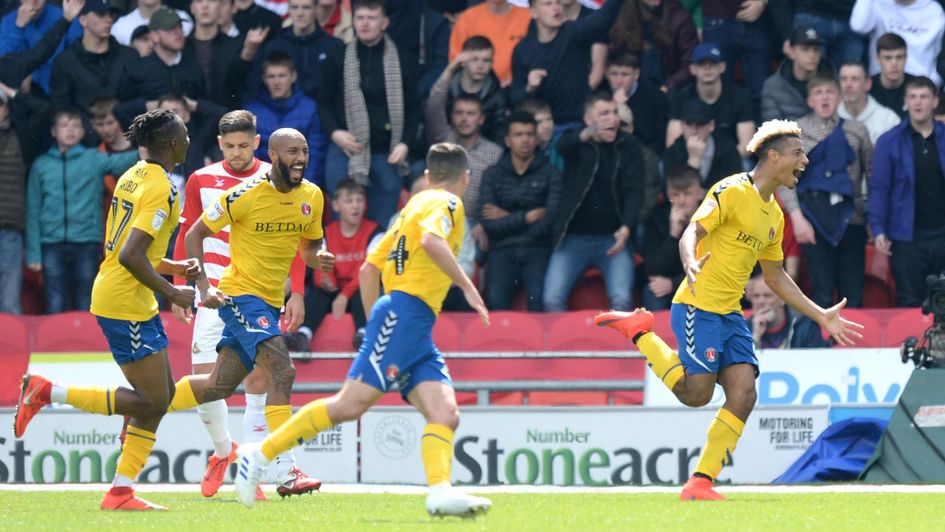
(284, 175)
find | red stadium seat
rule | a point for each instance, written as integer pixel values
(179, 346)
(334, 335)
(69, 332)
(509, 331)
(663, 328)
(906, 322)
(879, 290)
(575, 331)
(14, 357)
(589, 293)
(872, 331)
(446, 332)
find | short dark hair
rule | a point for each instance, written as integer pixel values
(468, 98)
(597, 96)
(521, 117)
(446, 162)
(349, 185)
(682, 177)
(477, 43)
(239, 120)
(773, 143)
(890, 41)
(368, 4)
(102, 107)
(533, 106)
(172, 97)
(858, 64)
(66, 112)
(278, 59)
(623, 57)
(149, 128)
(920, 82)
(822, 78)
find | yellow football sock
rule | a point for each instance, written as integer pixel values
(135, 452)
(184, 398)
(661, 358)
(96, 400)
(304, 425)
(720, 444)
(277, 415)
(436, 448)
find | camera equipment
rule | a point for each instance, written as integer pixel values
(930, 351)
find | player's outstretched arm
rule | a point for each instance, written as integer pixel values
(845, 332)
(369, 284)
(441, 255)
(193, 241)
(316, 255)
(134, 257)
(687, 253)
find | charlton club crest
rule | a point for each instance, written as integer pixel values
(710, 354)
(307, 209)
(392, 372)
(262, 321)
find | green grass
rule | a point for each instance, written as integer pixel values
(33, 511)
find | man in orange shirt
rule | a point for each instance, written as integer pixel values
(500, 22)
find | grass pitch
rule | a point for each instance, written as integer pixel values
(78, 510)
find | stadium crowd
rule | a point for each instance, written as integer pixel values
(593, 130)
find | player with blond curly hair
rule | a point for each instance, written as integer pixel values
(738, 225)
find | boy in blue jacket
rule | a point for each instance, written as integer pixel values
(64, 228)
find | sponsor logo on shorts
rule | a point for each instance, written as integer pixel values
(262, 321)
(710, 354)
(306, 209)
(392, 372)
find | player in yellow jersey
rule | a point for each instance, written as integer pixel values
(143, 216)
(416, 261)
(271, 217)
(738, 225)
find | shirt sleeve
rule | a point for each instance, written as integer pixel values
(153, 209)
(378, 256)
(441, 220)
(228, 208)
(714, 209)
(773, 252)
(314, 230)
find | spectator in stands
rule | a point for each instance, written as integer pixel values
(422, 36)
(660, 250)
(368, 106)
(223, 60)
(921, 23)
(334, 16)
(552, 61)
(282, 104)
(701, 148)
(546, 136)
(168, 70)
(141, 41)
(250, 15)
(730, 104)
(500, 22)
(651, 161)
(470, 74)
(467, 117)
(784, 95)
(603, 191)
(63, 231)
(141, 16)
(859, 105)
(662, 35)
(832, 20)
(827, 209)
(12, 201)
(907, 191)
(109, 130)
(775, 326)
(225, 22)
(573, 10)
(520, 198)
(91, 67)
(743, 35)
(889, 85)
(648, 103)
(306, 42)
(348, 238)
(24, 28)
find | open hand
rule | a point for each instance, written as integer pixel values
(694, 268)
(843, 331)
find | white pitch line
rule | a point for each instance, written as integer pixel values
(419, 490)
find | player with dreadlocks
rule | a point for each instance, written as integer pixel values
(143, 215)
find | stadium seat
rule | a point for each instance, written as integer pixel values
(589, 293)
(872, 331)
(906, 322)
(582, 398)
(509, 331)
(334, 335)
(575, 331)
(663, 328)
(14, 356)
(69, 332)
(446, 332)
(879, 290)
(179, 338)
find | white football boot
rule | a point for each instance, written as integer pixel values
(250, 469)
(444, 499)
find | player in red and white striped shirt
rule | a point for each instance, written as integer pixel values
(238, 141)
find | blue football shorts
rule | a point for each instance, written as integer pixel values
(247, 322)
(130, 341)
(710, 342)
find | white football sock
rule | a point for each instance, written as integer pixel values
(58, 394)
(214, 417)
(255, 426)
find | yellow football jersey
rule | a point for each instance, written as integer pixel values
(742, 229)
(405, 265)
(144, 199)
(266, 227)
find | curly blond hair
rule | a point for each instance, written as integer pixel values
(771, 130)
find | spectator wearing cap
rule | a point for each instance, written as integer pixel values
(167, 70)
(141, 41)
(91, 67)
(907, 191)
(859, 105)
(141, 16)
(832, 20)
(741, 29)
(23, 29)
(784, 95)
(921, 23)
(701, 148)
(827, 208)
(730, 105)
